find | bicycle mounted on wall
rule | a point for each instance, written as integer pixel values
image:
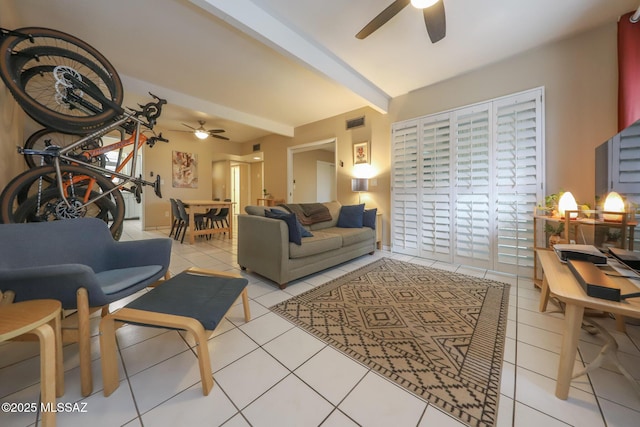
(68, 86)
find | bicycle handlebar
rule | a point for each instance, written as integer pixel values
(153, 139)
(150, 111)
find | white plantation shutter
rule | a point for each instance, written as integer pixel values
(625, 166)
(404, 217)
(473, 185)
(518, 166)
(480, 175)
(436, 174)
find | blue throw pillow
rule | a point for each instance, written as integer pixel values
(369, 218)
(292, 223)
(290, 219)
(303, 231)
(351, 216)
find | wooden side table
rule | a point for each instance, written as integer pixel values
(41, 318)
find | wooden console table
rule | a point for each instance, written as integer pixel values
(266, 202)
(558, 280)
(627, 233)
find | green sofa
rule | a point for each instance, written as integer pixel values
(264, 247)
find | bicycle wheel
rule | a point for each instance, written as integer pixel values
(45, 138)
(49, 206)
(37, 74)
(34, 196)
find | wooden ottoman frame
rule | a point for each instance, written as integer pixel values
(143, 317)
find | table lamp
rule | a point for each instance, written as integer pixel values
(359, 185)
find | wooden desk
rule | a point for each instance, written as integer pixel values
(558, 280)
(627, 235)
(202, 206)
(41, 318)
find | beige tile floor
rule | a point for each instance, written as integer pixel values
(268, 372)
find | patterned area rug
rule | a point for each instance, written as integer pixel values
(438, 334)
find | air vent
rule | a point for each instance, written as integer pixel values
(256, 147)
(355, 123)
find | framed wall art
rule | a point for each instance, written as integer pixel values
(184, 170)
(361, 153)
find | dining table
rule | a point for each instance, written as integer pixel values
(202, 206)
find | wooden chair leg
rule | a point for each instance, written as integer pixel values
(192, 326)
(47, 372)
(245, 305)
(108, 360)
(57, 330)
(203, 356)
(84, 342)
(6, 297)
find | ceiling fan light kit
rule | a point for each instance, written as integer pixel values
(421, 4)
(201, 134)
(432, 10)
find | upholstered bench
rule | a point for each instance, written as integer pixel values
(194, 300)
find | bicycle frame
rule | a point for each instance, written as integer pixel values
(90, 154)
(136, 139)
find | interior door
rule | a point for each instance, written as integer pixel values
(326, 181)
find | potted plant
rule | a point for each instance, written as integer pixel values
(555, 232)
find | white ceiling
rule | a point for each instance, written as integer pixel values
(266, 66)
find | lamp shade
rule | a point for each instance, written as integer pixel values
(567, 203)
(359, 184)
(613, 203)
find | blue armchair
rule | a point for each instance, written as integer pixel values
(78, 263)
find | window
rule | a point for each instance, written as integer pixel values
(465, 183)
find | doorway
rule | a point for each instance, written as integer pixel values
(304, 164)
(240, 186)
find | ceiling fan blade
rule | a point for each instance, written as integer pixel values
(377, 22)
(220, 137)
(434, 19)
(190, 127)
(216, 130)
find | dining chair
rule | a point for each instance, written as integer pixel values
(176, 217)
(221, 217)
(199, 220)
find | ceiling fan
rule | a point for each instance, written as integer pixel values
(433, 11)
(202, 133)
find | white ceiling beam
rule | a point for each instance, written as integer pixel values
(208, 107)
(256, 22)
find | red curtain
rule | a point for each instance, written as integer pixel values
(628, 71)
